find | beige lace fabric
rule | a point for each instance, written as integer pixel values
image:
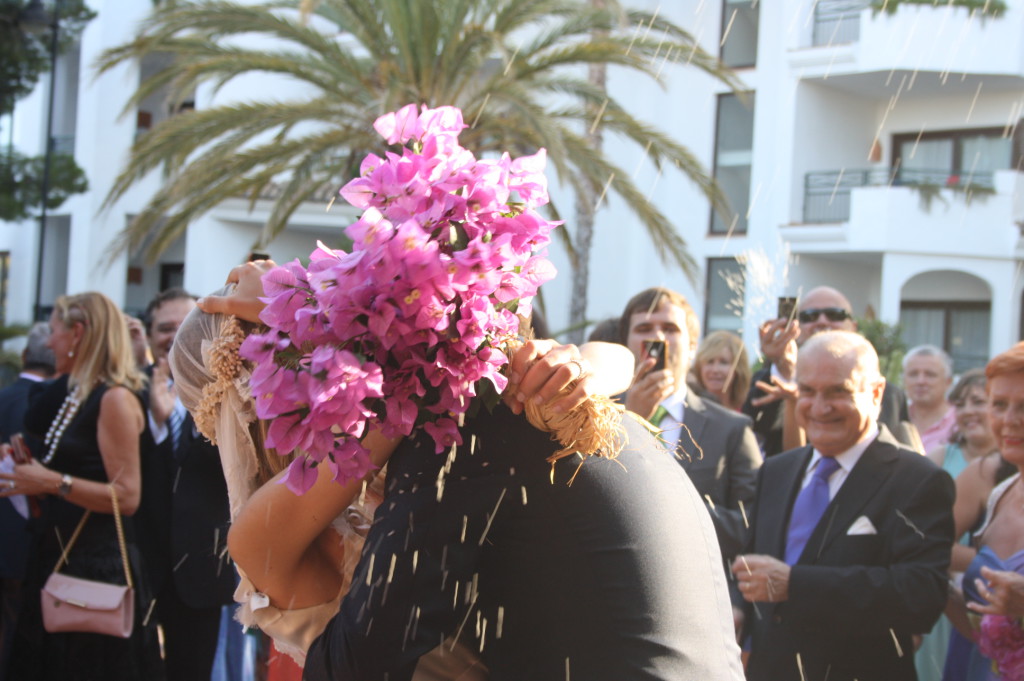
(214, 387)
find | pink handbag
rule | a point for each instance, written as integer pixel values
(84, 605)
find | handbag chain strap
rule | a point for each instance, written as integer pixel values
(120, 538)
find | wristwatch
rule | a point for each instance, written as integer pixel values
(64, 486)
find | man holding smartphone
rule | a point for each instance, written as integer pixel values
(714, 445)
(821, 309)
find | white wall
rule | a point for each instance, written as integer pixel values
(623, 261)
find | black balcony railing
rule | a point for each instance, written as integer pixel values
(827, 193)
(837, 22)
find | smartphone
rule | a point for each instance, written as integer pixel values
(258, 255)
(19, 450)
(787, 308)
(656, 349)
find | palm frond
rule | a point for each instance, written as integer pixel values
(511, 65)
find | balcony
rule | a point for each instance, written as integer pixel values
(852, 37)
(911, 211)
(827, 193)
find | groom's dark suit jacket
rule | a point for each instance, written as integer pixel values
(719, 452)
(616, 576)
(855, 598)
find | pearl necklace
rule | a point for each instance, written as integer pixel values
(60, 423)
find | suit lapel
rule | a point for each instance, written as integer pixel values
(694, 421)
(863, 482)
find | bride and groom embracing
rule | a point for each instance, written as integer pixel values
(485, 561)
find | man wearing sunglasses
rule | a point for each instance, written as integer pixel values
(820, 309)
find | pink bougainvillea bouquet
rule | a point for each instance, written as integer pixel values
(408, 329)
(1001, 639)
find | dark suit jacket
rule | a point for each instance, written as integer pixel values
(721, 459)
(617, 576)
(854, 600)
(183, 518)
(15, 535)
(768, 418)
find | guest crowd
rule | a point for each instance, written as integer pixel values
(866, 530)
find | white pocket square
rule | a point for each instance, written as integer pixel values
(862, 525)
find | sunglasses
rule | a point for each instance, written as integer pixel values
(833, 314)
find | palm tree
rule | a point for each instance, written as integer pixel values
(512, 66)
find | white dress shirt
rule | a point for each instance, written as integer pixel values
(847, 460)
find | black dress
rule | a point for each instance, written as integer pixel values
(41, 656)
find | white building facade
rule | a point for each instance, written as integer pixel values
(878, 153)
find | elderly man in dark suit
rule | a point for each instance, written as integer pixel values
(184, 510)
(714, 445)
(851, 535)
(37, 365)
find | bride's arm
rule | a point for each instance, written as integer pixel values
(274, 537)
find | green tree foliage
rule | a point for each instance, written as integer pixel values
(517, 69)
(887, 340)
(24, 56)
(21, 177)
(988, 8)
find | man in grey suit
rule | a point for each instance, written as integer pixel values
(714, 445)
(850, 537)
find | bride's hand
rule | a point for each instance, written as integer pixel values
(244, 302)
(541, 369)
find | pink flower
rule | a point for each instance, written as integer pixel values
(402, 330)
(286, 434)
(527, 178)
(301, 476)
(1002, 639)
(401, 416)
(445, 432)
(370, 228)
(399, 127)
(443, 119)
(351, 461)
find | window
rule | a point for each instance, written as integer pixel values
(951, 157)
(723, 304)
(734, 144)
(837, 22)
(961, 329)
(172, 275)
(739, 33)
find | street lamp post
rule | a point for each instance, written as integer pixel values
(36, 17)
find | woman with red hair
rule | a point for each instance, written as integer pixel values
(993, 585)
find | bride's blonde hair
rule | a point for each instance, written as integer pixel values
(212, 381)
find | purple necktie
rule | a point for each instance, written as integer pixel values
(809, 507)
